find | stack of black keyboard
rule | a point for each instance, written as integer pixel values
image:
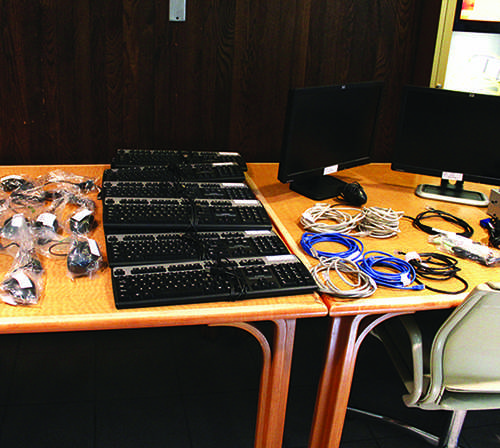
(209, 281)
(167, 189)
(168, 214)
(179, 229)
(158, 157)
(144, 248)
(201, 172)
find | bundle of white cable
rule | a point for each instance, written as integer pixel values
(344, 222)
(361, 284)
(377, 222)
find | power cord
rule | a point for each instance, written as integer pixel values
(448, 217)
(435, 266)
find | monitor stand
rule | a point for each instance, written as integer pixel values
(452, 193)
(318, 187)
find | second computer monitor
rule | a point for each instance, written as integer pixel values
(450, 135)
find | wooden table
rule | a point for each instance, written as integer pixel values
(87, 304)
(352, 320)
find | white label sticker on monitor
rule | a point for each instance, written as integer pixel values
(330, 169)
(447, 175)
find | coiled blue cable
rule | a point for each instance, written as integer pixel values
(402, 279)
(354, 246)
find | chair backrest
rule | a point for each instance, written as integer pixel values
(465, 355)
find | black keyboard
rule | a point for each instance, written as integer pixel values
(128, 215)
(148, 157)
(130, 249)
(203, 172)
(190, 190)
(209, 281)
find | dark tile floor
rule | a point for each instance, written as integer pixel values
(193, 387)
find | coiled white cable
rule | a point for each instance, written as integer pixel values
(361, 284)
(377, 222)
(344, 221)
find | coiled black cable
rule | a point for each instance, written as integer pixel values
(448, 217)
(436, 266)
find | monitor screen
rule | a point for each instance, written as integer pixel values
(478, 16)
(480, 10)
(327, 129)
(451, 135)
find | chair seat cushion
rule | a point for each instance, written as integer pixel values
(486, 386)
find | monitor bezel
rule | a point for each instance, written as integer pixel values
(402, 166)
(285, 175)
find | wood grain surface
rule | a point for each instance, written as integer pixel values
(390, 189)
(81, 78)
(88, 304)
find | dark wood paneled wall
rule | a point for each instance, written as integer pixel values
(80, 78)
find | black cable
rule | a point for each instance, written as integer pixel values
(448, 217)
(5, 247)
(192, 238)
(52, 248)
(225, 269)
(84, 186)
(437, 266)
(193, 214)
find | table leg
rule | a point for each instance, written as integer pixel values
(344, 340)
(275, 378)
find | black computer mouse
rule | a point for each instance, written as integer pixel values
(45, 228)
(83, 257)
(354, 194)
(33, 264)
(46, 222)
(82, 222)
(15, 227)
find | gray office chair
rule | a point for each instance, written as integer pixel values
(460, 371)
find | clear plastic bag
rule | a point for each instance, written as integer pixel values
(16, 227)
(23, 284)
(12, 182)
(75, 212)
(82, 221)
(463, 247)
(62, 178)
(84, 258)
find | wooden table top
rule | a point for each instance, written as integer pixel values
(87, 303)
(389, 189)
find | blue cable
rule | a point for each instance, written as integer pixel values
(401, 280)
(354, 246)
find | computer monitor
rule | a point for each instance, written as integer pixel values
(327, 129)
(451, 135)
